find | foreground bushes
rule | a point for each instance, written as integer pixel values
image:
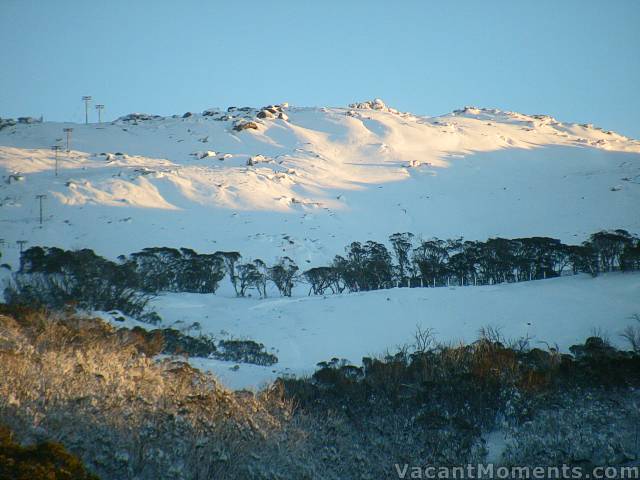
(479, 375)
(44, 461)
(82, 383)
(555, 409)
(75, 381)
(583, 427)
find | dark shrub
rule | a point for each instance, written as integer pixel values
(43, 461)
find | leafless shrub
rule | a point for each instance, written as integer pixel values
(599, 332)
(491, 334)
(424, 339)
(521, 344)
(632, 334)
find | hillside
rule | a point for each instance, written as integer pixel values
(304, 331)
(307, 181)
(322, 367)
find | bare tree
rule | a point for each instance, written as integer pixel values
(424, 339)
(632, 334)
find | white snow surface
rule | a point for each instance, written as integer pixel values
(307, 186)
(308, 182)
(303, 331)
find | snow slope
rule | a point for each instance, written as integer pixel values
(309, 183)
(306, 330)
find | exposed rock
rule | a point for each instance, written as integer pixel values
(28, 120)
(138, 117)
(241, 125)
(14, 177)
(205, 154)
(265, 114)
(375, 104)
(467, 110)
(257, 159)
(6, 122)
(210, 112)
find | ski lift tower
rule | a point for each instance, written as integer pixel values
(99, 108)
(68, 131)
(86, 99)
(56, 149)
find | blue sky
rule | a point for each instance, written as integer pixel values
(578, 60)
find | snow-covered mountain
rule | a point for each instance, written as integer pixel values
(304, 182)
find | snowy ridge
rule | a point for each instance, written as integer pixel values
(322, 177)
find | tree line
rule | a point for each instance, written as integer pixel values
(409, 261)
(415, 262)
(157, 269)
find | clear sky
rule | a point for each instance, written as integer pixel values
(577, 60)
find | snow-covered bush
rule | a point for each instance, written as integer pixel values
(584, 427)
(77, 381)
(245, 351)
(97, 391)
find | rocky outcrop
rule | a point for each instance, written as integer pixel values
(7, 122)
(241, 125)
(375, 104)
(138, 117)
(274, 111)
